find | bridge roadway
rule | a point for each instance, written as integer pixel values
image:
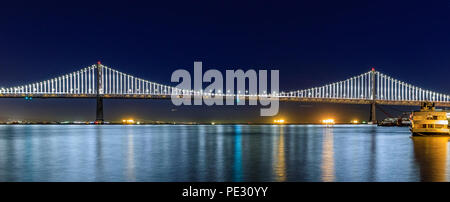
(101, 82)
(283, 99)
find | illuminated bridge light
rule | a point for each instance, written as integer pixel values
(369, 87)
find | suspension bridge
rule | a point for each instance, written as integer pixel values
(101, 82)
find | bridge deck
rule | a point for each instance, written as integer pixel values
(283, 99)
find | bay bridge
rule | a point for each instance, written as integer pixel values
(101, 82)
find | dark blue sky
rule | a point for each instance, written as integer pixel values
(311, 43)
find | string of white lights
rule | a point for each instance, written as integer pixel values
(113, 82)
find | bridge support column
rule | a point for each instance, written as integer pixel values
(99, 114)
(373, 109)
(373, 115)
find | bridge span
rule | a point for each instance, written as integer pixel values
(101, 82)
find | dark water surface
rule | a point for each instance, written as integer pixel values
(219, 153)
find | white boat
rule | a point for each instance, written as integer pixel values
(429, 121)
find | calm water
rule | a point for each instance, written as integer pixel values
(219, 153)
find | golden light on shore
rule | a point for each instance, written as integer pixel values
(128, 121)
(279, 121)
(355, 121)
(328, 121)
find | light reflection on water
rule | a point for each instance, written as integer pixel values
(280, 165)
(219, 153)
(431, 154)
(328, 156)
(237, 164)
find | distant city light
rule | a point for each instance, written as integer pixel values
(128, 121)
(355, 121)
(328, 121)
(279, 121)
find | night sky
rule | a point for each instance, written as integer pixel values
(311, 43)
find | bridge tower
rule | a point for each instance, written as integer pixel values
(99, 114)
(373, 116)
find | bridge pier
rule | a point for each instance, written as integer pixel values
(373, 115)
(99, 114)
